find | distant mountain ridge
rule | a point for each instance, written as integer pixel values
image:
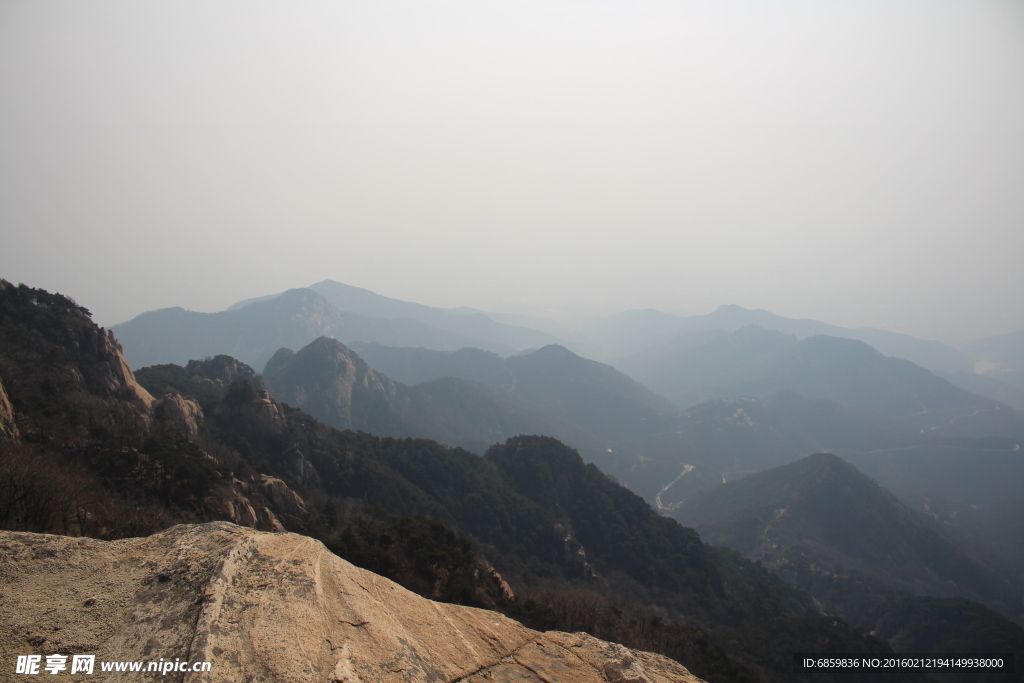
(176, 335)
(332, 383)
(487, 333)
(467, 322)
(254, 332)
(754, 361)
(631, 332)
(554, 380)
(469, 397)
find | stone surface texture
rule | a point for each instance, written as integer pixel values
(270, 607)
(181, 414)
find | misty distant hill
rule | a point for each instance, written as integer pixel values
(973, 485)
(754, 361)
(632, 332)
(252, 333)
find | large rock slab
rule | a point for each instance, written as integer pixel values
(269, 607)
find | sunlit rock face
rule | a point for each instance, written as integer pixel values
(7, 426)
(180, 414)
(272, 607)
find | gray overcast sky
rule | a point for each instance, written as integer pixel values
(859, 162)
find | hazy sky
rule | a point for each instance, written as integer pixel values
(857, 161)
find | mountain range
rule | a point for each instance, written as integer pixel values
(472, 398)
(253, 332)
(109, 462)
(213, 439)
(333, 384)
(253, 329)
(635, 331)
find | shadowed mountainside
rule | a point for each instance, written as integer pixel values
(594, 397)
(330, 382)
(828, 528)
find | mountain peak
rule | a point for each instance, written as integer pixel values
(554, 351)
(280, 357)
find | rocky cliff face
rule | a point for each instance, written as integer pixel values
(259, 413)
(59, 368)
(8, 427)
(180, 414)
(258, 501)
(65, 389)
(272, 607)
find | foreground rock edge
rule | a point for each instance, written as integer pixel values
(265, 606)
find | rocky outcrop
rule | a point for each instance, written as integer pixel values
(272, 607)
(8, 428)
(122, 375)
(180, 414)
(222, 370)
(262, 502)
(263, 414)
(255, 413)
(285, 501)
(574, 555)
(67, 375)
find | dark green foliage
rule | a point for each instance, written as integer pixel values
(35, 308)
(621, 533)
(772, 645)
(177, 471)
(169, 469)
(919, 623)
(422, 555)
(238, 393)
(161, 379)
